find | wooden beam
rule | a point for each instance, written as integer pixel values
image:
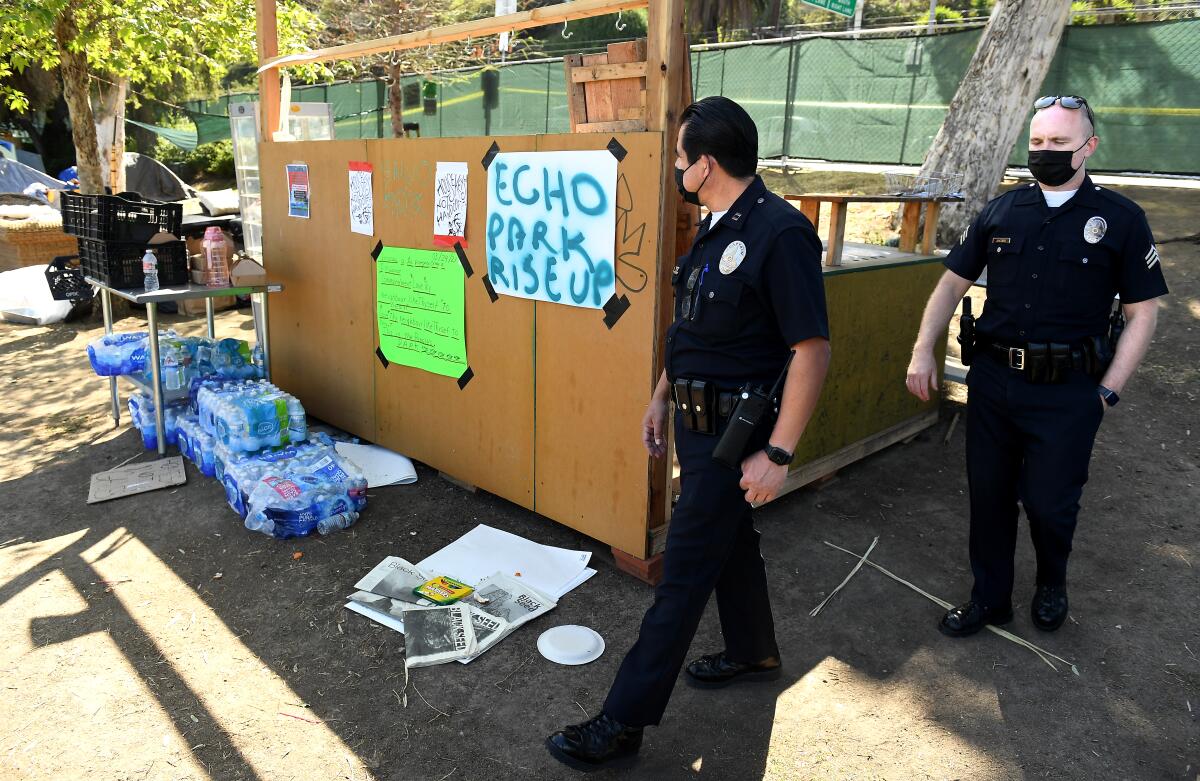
(597, 94)
(908, 226)
(837, 234)
(615, 126)
(478, 28)
(929, 238)
(811, 208)
(623, 70)
(267, 35)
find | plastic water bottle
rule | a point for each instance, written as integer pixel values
(297, 429)
(336, 522)
(150, 271)
(216, 258)
(172, 368)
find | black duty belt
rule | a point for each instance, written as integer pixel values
(1046, 362)
(703, 404)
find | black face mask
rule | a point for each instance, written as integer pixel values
(688, 196)
(1052, 167)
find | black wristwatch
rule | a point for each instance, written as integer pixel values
(1110, 396)
(780, 456)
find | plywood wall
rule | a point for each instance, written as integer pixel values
(551, 418)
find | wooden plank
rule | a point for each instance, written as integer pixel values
(322, 325)
(816, 470)
(614, 126)
(811, 208)
(598, 95)
(929, 236)
(482, 434)
(627, 93)
(267, 37)
(592, 382)
(908, 226)
(837, 234)
(878, 198)
(477, 28)
(576, 99)
(624, 70)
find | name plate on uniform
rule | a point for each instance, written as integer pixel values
(551, 226)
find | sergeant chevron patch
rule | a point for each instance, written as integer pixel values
(1151, 257)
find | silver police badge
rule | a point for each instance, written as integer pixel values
(732, 257)
(1094, 230)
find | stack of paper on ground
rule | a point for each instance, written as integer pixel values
(484, 550)
(442, 633)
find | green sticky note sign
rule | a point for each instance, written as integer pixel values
(420, 309)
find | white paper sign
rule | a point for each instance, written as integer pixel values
(362, 201)
(450, 205)
(551, 226)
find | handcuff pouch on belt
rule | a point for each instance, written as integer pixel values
(1050, 363)
(697, 401)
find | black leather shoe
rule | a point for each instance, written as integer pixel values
(597, 744)
(968, 619)
(1049, 607)
(712, 671)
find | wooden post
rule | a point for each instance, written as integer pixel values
(837, 233)
(929, 237)
(908, 226)
(268, 81)
(811, 208)
(668, 92)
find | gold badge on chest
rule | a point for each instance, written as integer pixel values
(732, 257)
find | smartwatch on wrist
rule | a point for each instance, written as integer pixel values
(778, 455)
(1110, 396)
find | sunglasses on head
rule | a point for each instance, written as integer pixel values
(1066, 101)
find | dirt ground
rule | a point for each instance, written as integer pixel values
(154, 638)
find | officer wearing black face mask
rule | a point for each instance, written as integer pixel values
(748, 294)
(1047, 363)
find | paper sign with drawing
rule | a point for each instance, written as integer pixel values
(450, 205)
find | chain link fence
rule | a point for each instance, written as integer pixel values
(866, 100)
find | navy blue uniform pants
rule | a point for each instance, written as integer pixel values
(712, 545)
(1027, 443)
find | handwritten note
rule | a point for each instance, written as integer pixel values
(362, 199)
(450, 205)
(297, 179)
(421, 310)
(551, 226)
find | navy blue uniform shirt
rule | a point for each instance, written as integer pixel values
(1052, 273)
(752, 287)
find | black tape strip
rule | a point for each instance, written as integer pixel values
(382, 359)
(617, 150)
(493, 150)
(491, 290)
(462, 258)
(375, 253)
(466, 377)
(614, 309)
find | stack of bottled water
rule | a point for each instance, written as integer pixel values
(141, 412)
(251, 416)
(239, 473)
(294, 504)
(181, 359)
(197, 444)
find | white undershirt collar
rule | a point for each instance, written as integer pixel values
(1056, 198)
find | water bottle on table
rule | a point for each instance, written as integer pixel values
(150, 271)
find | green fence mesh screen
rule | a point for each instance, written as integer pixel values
(872, 100)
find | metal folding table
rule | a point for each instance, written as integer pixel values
(180, 293)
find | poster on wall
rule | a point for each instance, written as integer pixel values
(551, 226)
(297, 181)
(421, 309)
(362, 201)
(450, 205)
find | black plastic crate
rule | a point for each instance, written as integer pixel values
(64, 275)
(119, 264)
(126, 217)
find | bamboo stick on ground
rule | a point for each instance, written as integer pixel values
(862, 559)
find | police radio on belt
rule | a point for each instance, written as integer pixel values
(749, 414)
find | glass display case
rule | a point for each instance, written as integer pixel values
(305, 122)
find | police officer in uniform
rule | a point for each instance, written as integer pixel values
(1046, 363)
(748, 294)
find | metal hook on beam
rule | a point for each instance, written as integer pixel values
(566, 34)
(621, 25)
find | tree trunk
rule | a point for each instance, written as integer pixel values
(396, 100)
(75, 91)
(993, 102)
(110, 133)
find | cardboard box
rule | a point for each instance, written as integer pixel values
(195, 306)
(247, 272)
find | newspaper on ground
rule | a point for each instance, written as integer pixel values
(435, 635)
(396, 578)
(508, 600)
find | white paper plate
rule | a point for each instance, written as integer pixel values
(571, 644)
